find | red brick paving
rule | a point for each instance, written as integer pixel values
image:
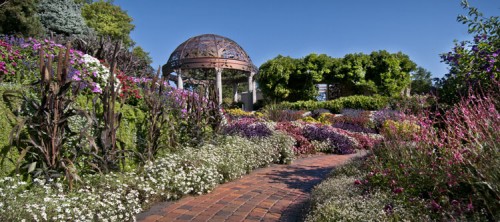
(276, 193)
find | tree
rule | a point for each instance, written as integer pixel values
(349, 76)
(308, 73)
(473, 64)
(108, 20)
(142, 55)
(274, 76)
(390, 72)
(421, 81)
(62, 17)
(19, 17)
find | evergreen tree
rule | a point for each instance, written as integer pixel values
(62, 17)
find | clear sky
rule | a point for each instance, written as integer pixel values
(421, 29)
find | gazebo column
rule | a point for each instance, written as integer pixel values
(254, 92)
(250, 92)
(218, 82)
(235, 92)
(180, 84)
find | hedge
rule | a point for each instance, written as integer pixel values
(335, 106)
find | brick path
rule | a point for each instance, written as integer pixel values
(276, 193)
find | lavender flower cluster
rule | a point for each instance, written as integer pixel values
(247, 127)
(380, 116)
(341, 144)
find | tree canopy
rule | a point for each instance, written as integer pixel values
(20, 17)
(274, 76)
(390, 73)
(108, 20)
(288, 79)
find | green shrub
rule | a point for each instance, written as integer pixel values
(127, 133)
(336, 106)
(7, 122)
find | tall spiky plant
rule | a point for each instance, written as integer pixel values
(41, 135)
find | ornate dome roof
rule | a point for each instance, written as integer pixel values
(209, 51)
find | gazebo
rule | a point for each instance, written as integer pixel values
(212, 52)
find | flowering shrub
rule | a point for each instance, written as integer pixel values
(380, 116)
(247, 127)
(340, 143)
(22, 54)
(302, 144)
(354, 120)
(236, 156)
(454, 167)
(473, 64)
(282, 145)
(309, 119)
(400, 129)
(365, 140)
(118, 197)
(9, 59)
(128, 87)
(326, 118)
(237, 113)
(40, 202)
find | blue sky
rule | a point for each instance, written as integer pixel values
(421, 29)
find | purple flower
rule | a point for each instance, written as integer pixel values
(96, 88)
(76, 78)
(247, 127)
(474, 48)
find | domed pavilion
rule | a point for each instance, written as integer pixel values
(198, 58)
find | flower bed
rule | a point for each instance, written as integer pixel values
(119, 196)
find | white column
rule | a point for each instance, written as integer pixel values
(254, 91)
(218, 80)
(250, 92)
(180, 84)
(235, 92)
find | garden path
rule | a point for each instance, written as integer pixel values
(275, 193)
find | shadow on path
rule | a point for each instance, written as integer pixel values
(297, 177)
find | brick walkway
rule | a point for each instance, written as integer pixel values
(276, 193)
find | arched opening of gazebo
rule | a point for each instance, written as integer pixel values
(213, 59)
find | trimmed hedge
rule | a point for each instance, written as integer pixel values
(335, 106)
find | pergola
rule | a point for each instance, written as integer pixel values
(210, 51)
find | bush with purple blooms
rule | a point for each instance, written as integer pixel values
(380, 116)
(9, 60)
(340, 143)
(473, 64)
(354, 120)
(450, 160)
(247, 127)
